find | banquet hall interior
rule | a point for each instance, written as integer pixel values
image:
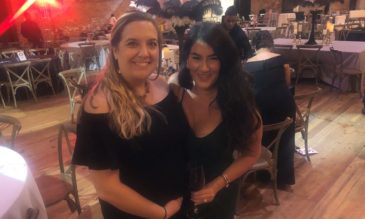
(323, 41)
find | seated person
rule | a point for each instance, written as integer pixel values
(31, 31)
(274, 100)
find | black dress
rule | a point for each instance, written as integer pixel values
(275, 103)
(214, 154)
(153, 164)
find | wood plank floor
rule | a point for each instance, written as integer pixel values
(330, 186)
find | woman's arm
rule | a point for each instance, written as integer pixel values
(109, 188)
(240, 166)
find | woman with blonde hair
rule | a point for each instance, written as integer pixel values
(132, 129)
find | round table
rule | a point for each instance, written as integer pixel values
(75, 45)
(74, 51)
(18, 190)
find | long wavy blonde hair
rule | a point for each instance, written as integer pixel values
(128, 114)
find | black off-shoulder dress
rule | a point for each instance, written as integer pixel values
(153, 164)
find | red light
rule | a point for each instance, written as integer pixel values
(5, 25)
(44, 3)
(9, 21)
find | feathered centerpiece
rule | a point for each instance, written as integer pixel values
(181, 13)
(314, 7)
(307, 6)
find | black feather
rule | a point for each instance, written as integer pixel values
(194, 9)
(205, 6)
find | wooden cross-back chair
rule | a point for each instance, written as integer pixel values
(340, 71)
(2, 84)
(18, 75)
(9, 125)
(303, 113)
(37, 52)
(10, 54)
(308, 58)
(72, 79)
(269, 156)
(40, 73)
(62, 186)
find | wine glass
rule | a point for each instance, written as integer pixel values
(196, 182)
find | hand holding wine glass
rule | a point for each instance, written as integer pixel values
(196, 182)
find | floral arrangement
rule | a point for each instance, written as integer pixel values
(181, 21)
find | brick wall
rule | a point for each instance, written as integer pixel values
(257, 5)
(73, 16)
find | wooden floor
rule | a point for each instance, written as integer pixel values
(330, 186)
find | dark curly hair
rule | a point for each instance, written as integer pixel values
(263, 39)
(234, 91)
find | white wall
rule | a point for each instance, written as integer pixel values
(226, 4)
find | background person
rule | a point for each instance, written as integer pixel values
(274, 100)
(229, 22)
(31, 31)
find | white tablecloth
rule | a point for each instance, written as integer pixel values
(340, 19)
(74, 51)
(283, 18)
(356, 13)
(343, 46)
(270, 29)
(18, 190)
(353, 55)
(75, 45)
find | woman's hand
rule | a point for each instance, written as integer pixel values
(173, 206)
(206, 194)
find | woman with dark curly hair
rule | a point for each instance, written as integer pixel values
(274, 100)
(219, 105)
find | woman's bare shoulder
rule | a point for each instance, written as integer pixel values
(263, 57)
(160, 83)
(96, 102)
(174, 85)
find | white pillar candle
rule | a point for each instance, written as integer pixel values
(166, 54)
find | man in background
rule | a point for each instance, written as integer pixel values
(31, 31)
(229, 22)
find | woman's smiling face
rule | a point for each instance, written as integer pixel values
(138, 51)
(204, 65)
